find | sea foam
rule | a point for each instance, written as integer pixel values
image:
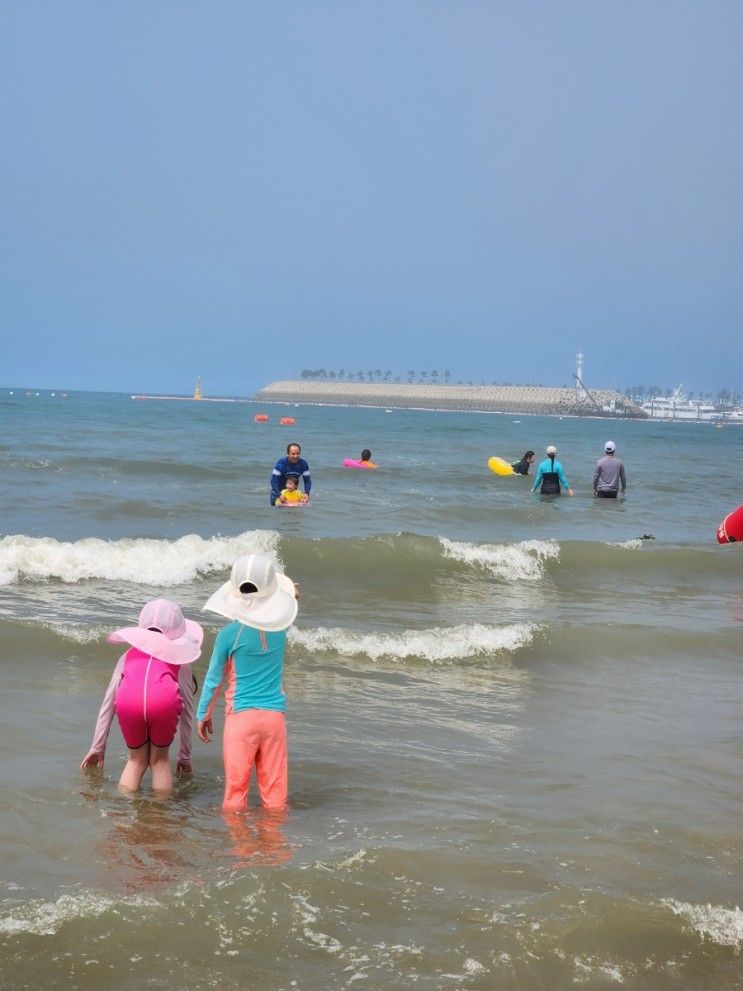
(723, 926)
(437, 645)
(141, 561)
(523, 561)
(78, 634)
(44, 918)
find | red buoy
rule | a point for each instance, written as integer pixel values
(287, 421)
(730, 531)
(261, 418)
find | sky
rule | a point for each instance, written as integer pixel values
(239, 191)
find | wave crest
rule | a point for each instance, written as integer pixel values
(436, 645)
(523, 561)
(140, 561)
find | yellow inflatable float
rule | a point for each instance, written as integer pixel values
(500, 467)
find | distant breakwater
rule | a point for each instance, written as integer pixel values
(465, 398)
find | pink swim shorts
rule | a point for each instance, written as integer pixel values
(148, 701)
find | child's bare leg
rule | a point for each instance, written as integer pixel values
(162, 776)
(131, 776)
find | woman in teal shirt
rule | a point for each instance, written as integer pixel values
(551, 475)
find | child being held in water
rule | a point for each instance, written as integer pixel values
(291, 494)
(151, 693)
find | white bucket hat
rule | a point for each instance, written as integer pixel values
(551, 449)
(163, 632)
(256, 595)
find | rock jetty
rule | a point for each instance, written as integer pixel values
(466, 398)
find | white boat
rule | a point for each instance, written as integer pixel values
(734, 416)
(678, 407)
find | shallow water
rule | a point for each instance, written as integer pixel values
(514, 726)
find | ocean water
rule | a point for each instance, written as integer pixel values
(515, 725)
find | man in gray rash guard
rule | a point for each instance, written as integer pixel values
(609, 474)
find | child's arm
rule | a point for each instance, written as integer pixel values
(212, 683)
(94, 757)
(185, 723)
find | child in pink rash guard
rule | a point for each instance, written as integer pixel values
(151, 693)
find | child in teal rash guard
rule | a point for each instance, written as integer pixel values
(254, 686)
(248, 660)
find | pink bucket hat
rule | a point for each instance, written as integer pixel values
(163, 632)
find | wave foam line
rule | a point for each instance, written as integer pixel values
(523, 561)
(46, 918)
(79, 634)
(140, 561)
(436, 645)
(723, 926)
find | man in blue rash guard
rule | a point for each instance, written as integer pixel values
(292, 464)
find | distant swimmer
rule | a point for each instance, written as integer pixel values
(364, 461)
(522, 467)
(292, 464)
(551, 475)
(609, 474)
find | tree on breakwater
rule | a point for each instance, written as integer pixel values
(422, 377)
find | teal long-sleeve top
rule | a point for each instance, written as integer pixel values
(545, 466)
(249, 665)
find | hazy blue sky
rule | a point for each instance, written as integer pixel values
(242, 190)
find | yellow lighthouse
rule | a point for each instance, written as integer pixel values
(197, 393)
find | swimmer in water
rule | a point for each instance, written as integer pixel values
(291, 494)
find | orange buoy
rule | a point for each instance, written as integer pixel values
(287, 421)
(730, 531)
(261, 418)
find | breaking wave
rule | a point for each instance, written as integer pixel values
(435, 645)
(141, 561)
(523, 561)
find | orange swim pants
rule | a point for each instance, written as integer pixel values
(255, 736)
